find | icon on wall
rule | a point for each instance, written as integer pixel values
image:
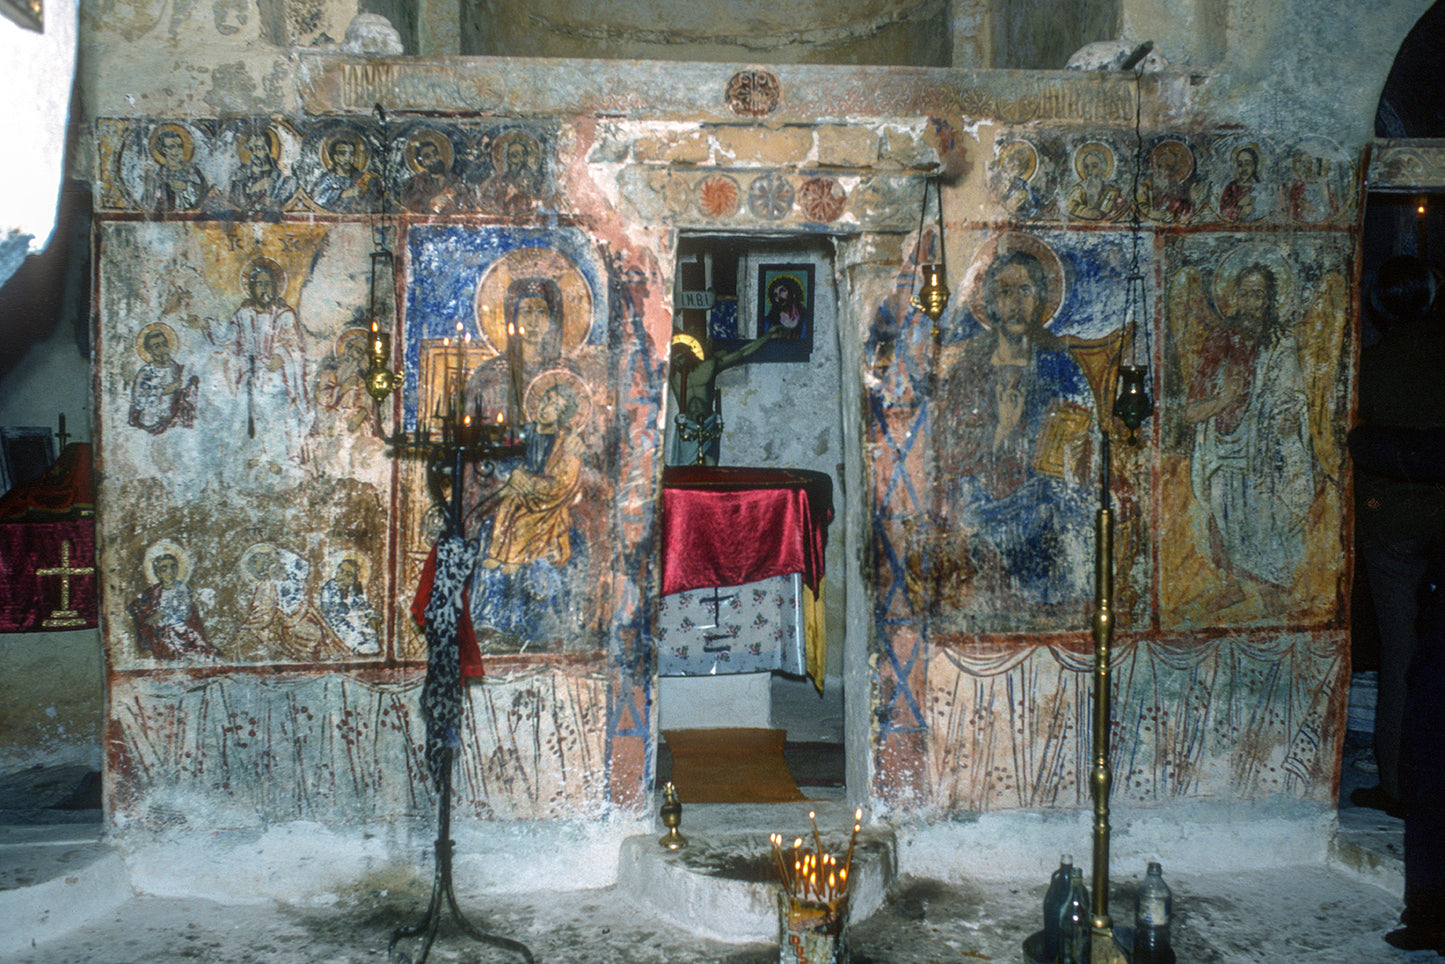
(786, 300)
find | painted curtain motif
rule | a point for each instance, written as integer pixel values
(244, 486)
(1257, 390)
(993, 524)
(327, 747)
(541, 520)
(1010, 726)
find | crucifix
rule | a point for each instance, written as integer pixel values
(65, 616)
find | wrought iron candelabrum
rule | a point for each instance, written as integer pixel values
(460, 442)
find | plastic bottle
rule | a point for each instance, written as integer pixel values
(1075, 922)
(1053, 903)
(1152, 911)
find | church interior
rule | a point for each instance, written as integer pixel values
(528, 455)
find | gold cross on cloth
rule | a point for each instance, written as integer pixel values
(65, 616)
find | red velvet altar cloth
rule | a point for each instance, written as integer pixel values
(47, 576)
(726, 526)
(67, 488)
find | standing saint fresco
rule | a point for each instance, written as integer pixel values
(162, 395)
(166, 622)
(266, 367)
(1252, 467)
(1012, 416)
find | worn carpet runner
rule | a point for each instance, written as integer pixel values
(731, 765)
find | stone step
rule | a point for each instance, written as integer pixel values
(724, 884)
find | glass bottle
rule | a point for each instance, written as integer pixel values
(1153, 908)
(1075, 922)
(1053, 903)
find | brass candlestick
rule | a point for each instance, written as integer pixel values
(1104, 949)
(672, 819)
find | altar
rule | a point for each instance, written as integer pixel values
(742, 571)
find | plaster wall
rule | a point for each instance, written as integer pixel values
(965, 676)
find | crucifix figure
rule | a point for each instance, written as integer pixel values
(692, 377)
(65, 616)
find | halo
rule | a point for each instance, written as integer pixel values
(435, 138)
(557, 376)
(1007, 152)
(1239, 260)
(1094, 147)
(188, 146)
(277, 272)
(165, 547)
(163, 328)
(500, 145)
(255, 549)
(363, 565)
(352, 137)
(350, 335)
(1179, 149)
(689, 342)
(273, 143)
(1004, 243)
(533, 263)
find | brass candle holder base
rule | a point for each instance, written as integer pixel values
(671, 819)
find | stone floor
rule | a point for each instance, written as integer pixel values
(1332, 912)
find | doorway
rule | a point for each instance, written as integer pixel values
(780, 405)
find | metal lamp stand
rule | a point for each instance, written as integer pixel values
(447, 458)
(442, 890)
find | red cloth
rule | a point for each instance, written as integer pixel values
(68, 486)
(726, 526)
(469, 654)
(32, 600)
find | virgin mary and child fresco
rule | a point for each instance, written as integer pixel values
(528, 515)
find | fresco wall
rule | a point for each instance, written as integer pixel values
(1230, 548)
(264, 542)
(261, 546)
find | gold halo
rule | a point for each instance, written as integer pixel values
(255, 549)
(1179, 149)
(354, 138)
(556, 376)
(1239, 259)
(500, 145)
(1004, 243)
(163, 328)
(363, 565)
(273, 144)
(278, 272)
(693, 345)
(435, 138)
(1031, 156)
(533, 263)
(162, 547)
(350, 335)
(1094, 147)
(188, 146)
